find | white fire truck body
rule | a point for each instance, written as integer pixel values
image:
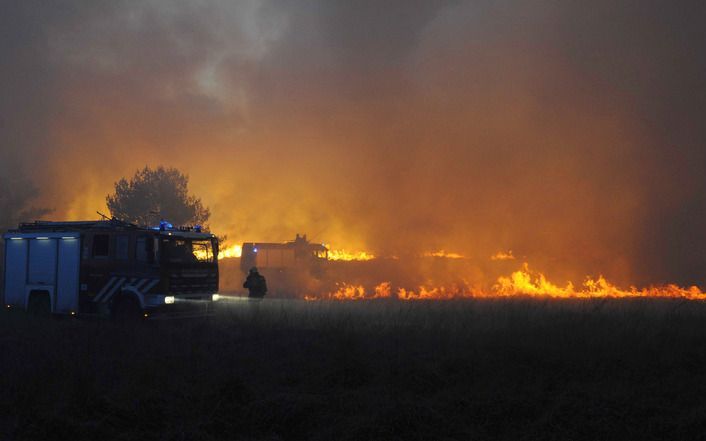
(110, 267)
(47, 263)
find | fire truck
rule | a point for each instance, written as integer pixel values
(288, 266)
(110, 267)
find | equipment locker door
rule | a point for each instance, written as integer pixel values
(67, 283)
(41, 268)
(15, 271)
(42, 261)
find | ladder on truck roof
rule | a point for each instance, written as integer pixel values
(74, 225)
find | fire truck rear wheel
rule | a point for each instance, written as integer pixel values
(126, 308)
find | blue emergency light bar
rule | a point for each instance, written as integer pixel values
(166, 226)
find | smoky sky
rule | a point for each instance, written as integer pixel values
(570, 132)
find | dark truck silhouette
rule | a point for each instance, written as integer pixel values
(110, 267)
(288, 266)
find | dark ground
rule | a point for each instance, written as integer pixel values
(506, 369)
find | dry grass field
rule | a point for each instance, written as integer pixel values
(390, 370)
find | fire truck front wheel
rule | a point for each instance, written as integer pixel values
(126, 308)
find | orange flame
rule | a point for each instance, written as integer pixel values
(347, 291)
(521, 283)
(436, 293)
(502, 255)
(229, 252)
(444, 254)
(349, 256)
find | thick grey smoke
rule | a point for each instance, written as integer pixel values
(570, 132)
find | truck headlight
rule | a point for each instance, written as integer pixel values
(168, 300)
(215, 297)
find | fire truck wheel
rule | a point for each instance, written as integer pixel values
(39, 304)
(126, 308)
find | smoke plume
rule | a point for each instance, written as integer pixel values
(570, 132)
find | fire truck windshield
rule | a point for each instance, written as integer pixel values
(184, 250)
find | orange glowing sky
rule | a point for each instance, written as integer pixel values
(569, 133)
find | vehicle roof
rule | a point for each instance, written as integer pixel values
(285, 245)
(106, 225)
(74, 225)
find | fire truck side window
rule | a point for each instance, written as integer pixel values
(101, 245)
(121, 246)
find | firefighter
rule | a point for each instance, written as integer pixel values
(256, 284)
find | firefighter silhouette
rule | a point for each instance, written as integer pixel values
(256, 284)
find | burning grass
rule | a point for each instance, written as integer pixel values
(508, 368)
(521, 283)
(349, 256)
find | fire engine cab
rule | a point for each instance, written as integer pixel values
(110, 267)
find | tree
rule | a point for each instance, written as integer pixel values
(152, 195)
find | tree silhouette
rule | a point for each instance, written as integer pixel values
(157, 194)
